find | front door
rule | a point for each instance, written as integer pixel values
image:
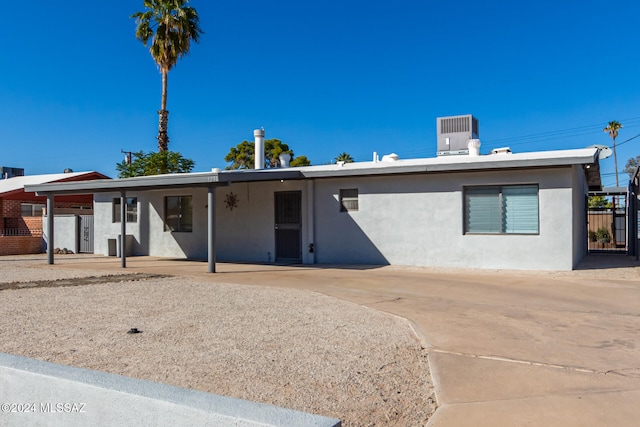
(288, 226)
(85, 234)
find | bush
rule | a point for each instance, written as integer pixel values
(603, 235)
(593, 237)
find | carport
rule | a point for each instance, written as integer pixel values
(209, 180)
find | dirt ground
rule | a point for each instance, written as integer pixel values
(296, 349)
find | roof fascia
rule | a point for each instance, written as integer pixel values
(158, 182)
(454, 167)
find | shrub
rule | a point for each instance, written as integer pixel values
(603, 235)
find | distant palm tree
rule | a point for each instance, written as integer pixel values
(344, 157)
(167, 28)
(612, 129)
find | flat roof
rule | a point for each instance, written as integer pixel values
(451, 163)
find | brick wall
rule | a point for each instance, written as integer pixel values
(20, 245)
(12, 216)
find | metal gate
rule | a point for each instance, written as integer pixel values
(607, 222)
(85, 234)
(288, 226)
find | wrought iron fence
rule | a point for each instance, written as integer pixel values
(21, 232)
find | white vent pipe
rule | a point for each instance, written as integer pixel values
(474, 147)
(285, 158)
(258, 134)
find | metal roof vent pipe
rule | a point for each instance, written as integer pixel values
(258, 134)
(474, 147)
(285, 158)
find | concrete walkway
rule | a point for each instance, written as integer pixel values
(506, 348)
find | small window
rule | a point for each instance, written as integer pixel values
(509, 209)
(178, 213)
(349, 200)
(132, 209)
(31, 209)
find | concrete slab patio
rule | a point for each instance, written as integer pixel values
(506, 348)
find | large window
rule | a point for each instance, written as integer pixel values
(505, 209)
(132, 209)
(349, 200)
(178, 211)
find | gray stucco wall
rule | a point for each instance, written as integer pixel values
(65, 232)
(580, 240)
(247, 232)
(402, 219)
(149, 235)
(418, 220)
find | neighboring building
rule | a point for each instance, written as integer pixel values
(498, 211)
(7, 172)
(21, 212)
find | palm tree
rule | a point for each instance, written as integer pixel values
(167, 28)
(612, 129)
(344, 157)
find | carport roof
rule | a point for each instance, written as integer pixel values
(587, 157)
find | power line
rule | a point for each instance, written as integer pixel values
(562, 133)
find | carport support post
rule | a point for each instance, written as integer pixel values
(123, 228)
(211, 227)
(50, 228)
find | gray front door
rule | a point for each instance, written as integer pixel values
(288, 226)
(85, 234)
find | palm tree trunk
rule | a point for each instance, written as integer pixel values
(615, 161)
(163, 122)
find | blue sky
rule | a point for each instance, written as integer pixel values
(76, 87)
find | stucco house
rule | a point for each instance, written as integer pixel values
(499, 211)
(21, 210)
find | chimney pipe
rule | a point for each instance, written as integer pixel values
(258, 134)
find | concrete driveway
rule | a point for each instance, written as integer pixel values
(506, 348)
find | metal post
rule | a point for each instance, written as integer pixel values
(50, 204)
(211, 227)
(123, 228)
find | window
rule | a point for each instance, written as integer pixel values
(31, 209)
(349, 200)
(132, 209)
(502, 209)
(178, 213)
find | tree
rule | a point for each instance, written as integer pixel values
(243, 155)
(300, 161)
(612, 129)
(632, 165)
(167, 28)
(154, 163)
(344, 157)
(599, 202)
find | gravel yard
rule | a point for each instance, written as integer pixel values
(291, 348)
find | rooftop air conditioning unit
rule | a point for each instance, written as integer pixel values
(455, 132)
